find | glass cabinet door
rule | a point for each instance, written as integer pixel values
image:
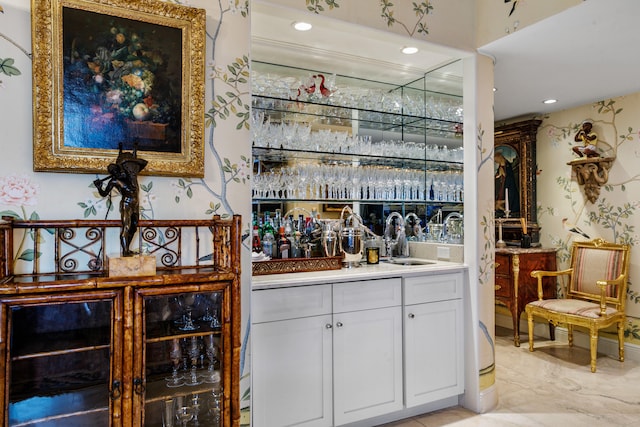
(58, 369)
(183, 359)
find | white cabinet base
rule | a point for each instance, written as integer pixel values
(367, 364)
(291, 373)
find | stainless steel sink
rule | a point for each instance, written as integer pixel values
(410, 261)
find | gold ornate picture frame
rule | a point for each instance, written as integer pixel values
(112, 71)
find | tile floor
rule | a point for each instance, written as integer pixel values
(551, 387)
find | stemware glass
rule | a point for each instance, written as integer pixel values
(212, 355)
(194, 353)
(184, 412)
(175, 354)
(186, 301)
(215, 299)
(216, 407)
(195, 404)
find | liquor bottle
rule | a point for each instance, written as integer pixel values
(268, 245)
(289, 232)
(256, 244)
(268, 226)
(284, 245)
(277, 221)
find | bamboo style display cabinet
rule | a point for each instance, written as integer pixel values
(80, 348)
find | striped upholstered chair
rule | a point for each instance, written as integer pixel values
(595, 297)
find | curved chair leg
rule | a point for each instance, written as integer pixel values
(621, 341)
(570, 335)
(530, 324)
(594, 347)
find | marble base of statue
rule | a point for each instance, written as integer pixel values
(126, 266)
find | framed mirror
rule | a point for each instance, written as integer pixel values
(515, 175)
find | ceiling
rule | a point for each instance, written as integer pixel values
(582, 55)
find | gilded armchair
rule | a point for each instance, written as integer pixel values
(596, 294)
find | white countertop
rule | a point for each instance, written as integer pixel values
(364, 272)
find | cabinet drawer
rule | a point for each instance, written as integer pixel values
(438, 287)
(503, 266)
(269, 305)
(366, 294)
(503, 287)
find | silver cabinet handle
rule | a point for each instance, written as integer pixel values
(328, 326)
(339, 324)
(411, 315)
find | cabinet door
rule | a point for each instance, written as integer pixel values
(367, 363)
(291, 372)
(57, 366)
(182, 361)
(433, 351)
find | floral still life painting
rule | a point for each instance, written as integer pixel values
(122, 81)
(108, 72)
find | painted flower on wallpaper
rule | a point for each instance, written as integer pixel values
(18, 191)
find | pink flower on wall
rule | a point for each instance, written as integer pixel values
(18, 191)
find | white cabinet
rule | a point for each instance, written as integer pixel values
(334, 354)
(433, 338)
(292, 373)
(314, 365)
(292, 357)
(367, 349)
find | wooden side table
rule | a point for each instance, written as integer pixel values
(514, 286)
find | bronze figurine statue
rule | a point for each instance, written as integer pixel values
(123, 176)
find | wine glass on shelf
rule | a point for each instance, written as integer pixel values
(186, 301)
(212, 355)
(184, 412)
(215, 299)
(216, 407)
(175, 354)
(195, 404)
(207, 316)
(193, 351)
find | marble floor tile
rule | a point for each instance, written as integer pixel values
(553, 386)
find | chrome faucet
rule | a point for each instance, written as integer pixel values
(413, 230)
(395, 238)
(453, 230)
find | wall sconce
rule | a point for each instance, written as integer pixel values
(592, 173)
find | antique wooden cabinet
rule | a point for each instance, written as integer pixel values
(514, 285)
(80, 348)
(515, 165)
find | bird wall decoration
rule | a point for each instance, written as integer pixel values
(572, 228)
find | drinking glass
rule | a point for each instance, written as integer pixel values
(184, 412)
(193, 352)
(175, 354)
(215, 322)
(212, 355)
(167, 412)
(216, 407)
(185, 301)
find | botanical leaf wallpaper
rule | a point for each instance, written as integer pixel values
(614, 216)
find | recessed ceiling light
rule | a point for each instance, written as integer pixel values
(302, 26)
(549, 101)
(409, 50)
